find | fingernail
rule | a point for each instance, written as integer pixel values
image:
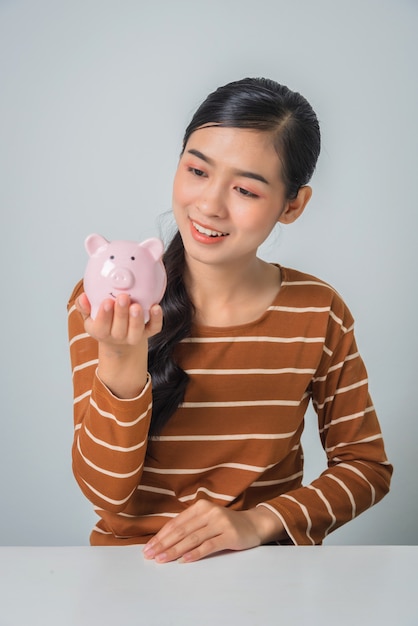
(161, 558)
(123, 300)
(134, 311)
(148, 551)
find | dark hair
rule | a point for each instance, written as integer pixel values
(254, 103)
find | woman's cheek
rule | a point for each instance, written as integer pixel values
(182, 192)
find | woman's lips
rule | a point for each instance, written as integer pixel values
(204, 234)
(208, 231)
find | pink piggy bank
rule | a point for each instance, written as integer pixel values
(122, 266)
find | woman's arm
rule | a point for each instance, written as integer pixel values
(358, 474)
(357, 477)
(112, 397)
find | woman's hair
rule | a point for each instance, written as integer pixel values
(253, 103)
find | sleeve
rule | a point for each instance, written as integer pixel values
(110, 434)
(358, 473)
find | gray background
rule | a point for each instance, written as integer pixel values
(94, 98)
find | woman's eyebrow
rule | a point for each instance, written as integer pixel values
(200, 155)
(243, 173)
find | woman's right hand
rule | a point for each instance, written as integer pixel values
(122, 338)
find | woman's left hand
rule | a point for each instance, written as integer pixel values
(205, 528)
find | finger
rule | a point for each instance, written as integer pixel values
(179, 536)
(165, 541)
(186, 521)
(136, 324)
(206, 548)
(155, 323)
(120, 322)
(195, 545)
(100, 327)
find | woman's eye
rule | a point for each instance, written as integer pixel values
(246, 193)
(196, 171)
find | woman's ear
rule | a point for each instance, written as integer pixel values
(294, 208)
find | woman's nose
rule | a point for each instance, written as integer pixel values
(212, 200)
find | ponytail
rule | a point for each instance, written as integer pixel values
(169, 381)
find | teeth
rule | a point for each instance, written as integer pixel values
(206, 231)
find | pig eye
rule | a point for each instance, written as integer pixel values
(132, 258)
(112, 257)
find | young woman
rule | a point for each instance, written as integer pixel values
(188, 428)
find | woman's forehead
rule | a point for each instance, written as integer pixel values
(239, 148)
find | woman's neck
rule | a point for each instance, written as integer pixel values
(231, 296)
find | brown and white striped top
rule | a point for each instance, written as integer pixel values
(236, 438)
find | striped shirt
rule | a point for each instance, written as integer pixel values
(236, 439)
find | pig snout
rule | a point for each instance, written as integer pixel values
(121, 278)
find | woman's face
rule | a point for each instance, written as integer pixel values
(228, 193)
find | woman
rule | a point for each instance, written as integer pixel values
(187, 431)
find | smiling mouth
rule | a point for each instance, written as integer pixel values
(114, 297)
(208, 232)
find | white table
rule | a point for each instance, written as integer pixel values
(85, 586)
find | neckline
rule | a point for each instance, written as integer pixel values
(200, 329)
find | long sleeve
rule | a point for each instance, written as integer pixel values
(358, 473)
(110, 434)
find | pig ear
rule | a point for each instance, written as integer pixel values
(154, 246)
(94, 243)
